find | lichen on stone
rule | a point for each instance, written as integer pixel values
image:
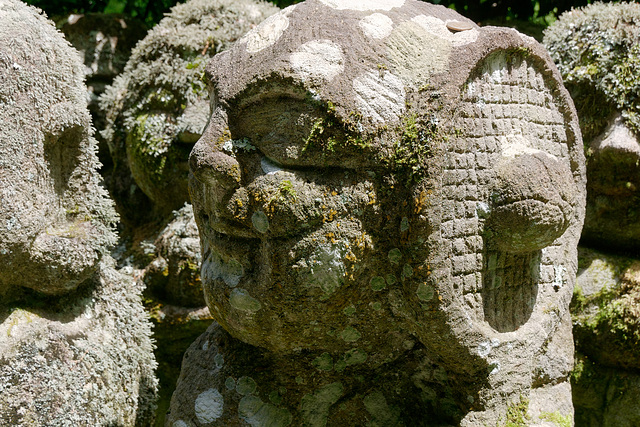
(158, 107)
(597, 52)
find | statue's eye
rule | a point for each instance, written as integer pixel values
(281, 128)
(299, 133)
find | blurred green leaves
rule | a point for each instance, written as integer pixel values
(537, 12)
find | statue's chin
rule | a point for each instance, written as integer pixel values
(62, 259)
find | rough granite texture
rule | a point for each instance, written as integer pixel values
(597, 52)
(55, 218)
(174, 274)
(156, 109)
(606, 318)
(389, 200)
(75, 346)
(84, 359)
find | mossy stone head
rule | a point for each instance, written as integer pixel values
(347, 187)
(56, 218)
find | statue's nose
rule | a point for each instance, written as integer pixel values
(214, 167)
(532, 203)
(208, 163)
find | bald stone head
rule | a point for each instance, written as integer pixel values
(55, 219)
(383, 172)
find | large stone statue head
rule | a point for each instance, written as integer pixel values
(55, 218)
(380, 175)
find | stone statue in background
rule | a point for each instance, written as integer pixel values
(75, 345)
(597, 52)
(157, 108)
(104, 41)
(389, 200)
(155, 111)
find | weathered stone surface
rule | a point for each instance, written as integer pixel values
(174, 274)
(75, 345)
(82, 359)
(596, 50)
(174, 330)
(104, 42)
(603, 396)
(606, 309)
(359, 243)
(156, 109)
(55, 218)
(606, 318)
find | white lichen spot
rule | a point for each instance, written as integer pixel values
(326, 269)
(230, 383)
(246, 386)
(495, 367)
(559, 272)
(258, 413)
(376, 26)
(318, 61)
(293, 152)
(350, 334)
(219, 360)
(214, 267)
(438, 27)
(363, 5)
(241, 300)
(485, 348)
(513, 146)
(260, 221)
(179, 423)
(483, 210)
(416, 54)
(232, 146)
(209, 406)
(205, 346)
(380, 97)
(425, 292)
(269, 167)
(268, 32)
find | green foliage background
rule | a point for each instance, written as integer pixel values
(536, 12)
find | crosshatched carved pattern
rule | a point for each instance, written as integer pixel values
(505, 100)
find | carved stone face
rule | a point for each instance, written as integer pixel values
(55, 219)
(384, 172)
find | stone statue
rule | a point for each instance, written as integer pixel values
(157, 107)
(75, 345)
(105, 41)
(389, 200)
(596, 50)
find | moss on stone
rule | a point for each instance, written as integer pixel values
(597, 52)
(315, 407)
(330, 133)
(557, 418)
(517, 414)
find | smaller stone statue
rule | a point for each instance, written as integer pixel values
(157, 108)
(597, 52)
(75, 346)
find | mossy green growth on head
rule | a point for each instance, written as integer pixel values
(517, 414)
(330, 133)
(557, 418)
(597, 52)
